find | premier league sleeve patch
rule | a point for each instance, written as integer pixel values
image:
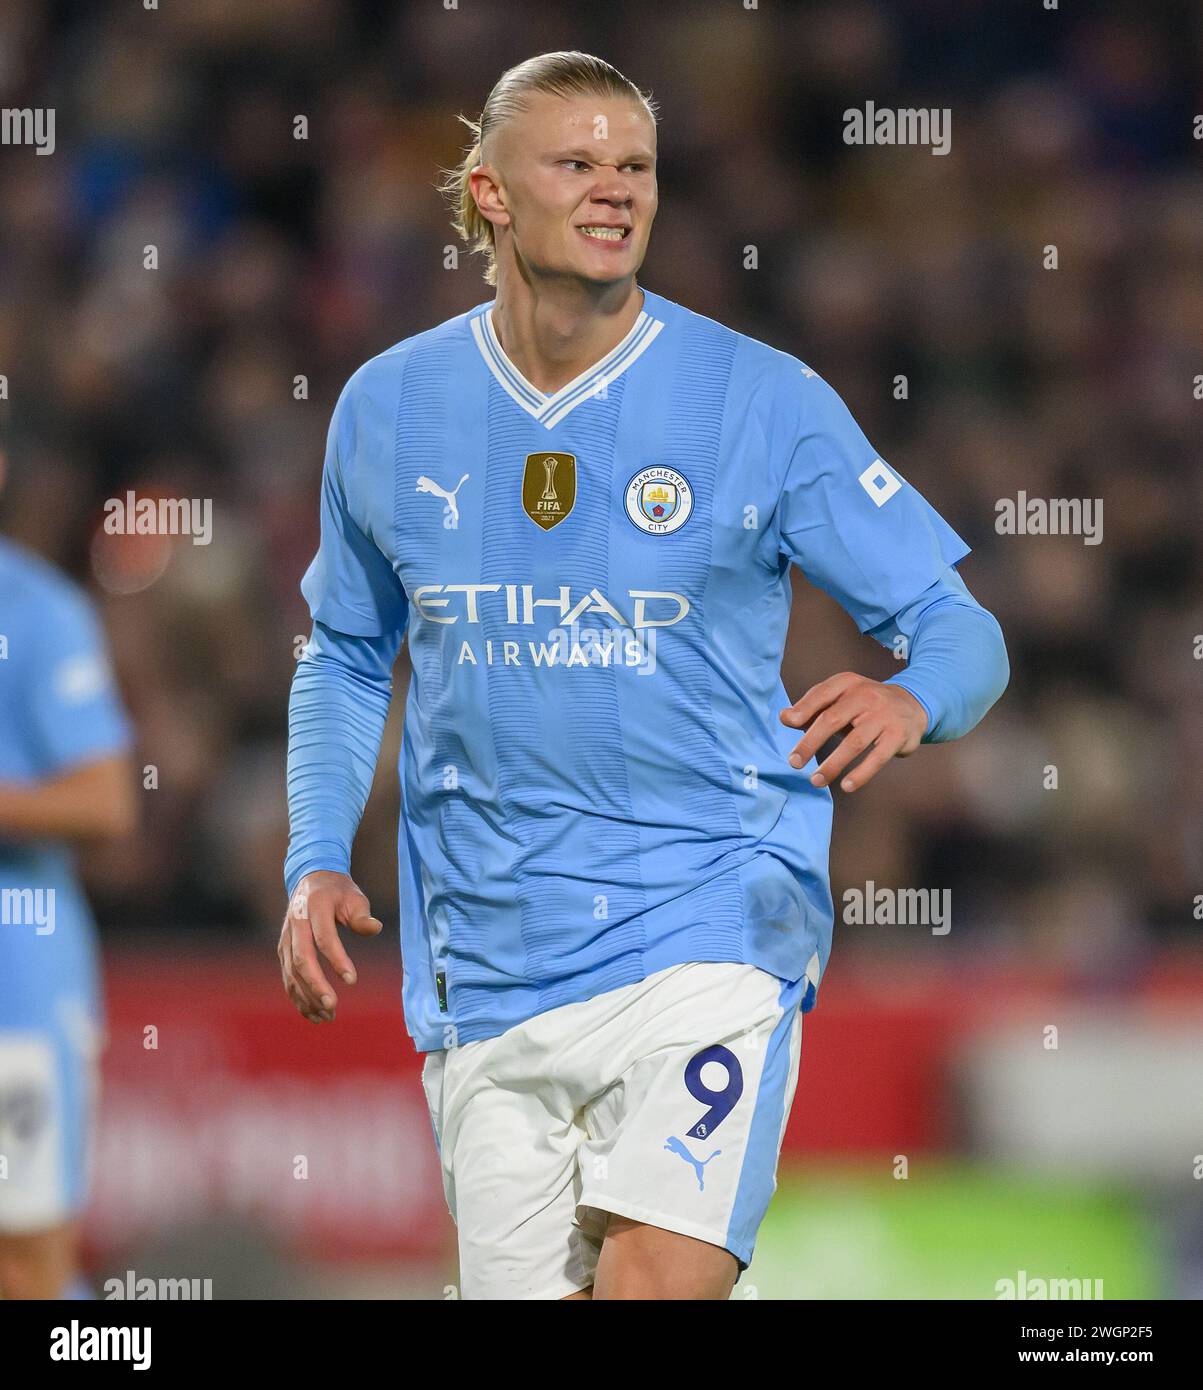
(659, 500)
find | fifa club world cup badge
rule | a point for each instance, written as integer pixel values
(659, 500)
(549, 488)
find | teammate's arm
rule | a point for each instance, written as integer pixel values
(88, 803)
(79, 731)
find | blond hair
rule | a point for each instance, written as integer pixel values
(565, 74)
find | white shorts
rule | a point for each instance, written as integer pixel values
(664, 1101)
(48, 1083)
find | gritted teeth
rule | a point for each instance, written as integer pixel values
(605, 233)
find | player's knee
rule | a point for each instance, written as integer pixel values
(33, 1267)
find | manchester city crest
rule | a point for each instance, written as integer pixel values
(659, 500)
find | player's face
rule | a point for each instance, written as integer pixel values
(577, 182)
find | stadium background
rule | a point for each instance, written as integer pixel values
(282, 257)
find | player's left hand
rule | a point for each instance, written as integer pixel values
(884, 719)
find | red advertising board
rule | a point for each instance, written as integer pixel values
(218, 1098)
(220, 1101)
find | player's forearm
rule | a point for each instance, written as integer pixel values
(336, 716)
(957, 661)
(93, 802)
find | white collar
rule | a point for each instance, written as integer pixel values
(550, 410)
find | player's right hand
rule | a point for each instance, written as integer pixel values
(322, 902)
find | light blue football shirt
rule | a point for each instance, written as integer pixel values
(595, 585)
(59, 709)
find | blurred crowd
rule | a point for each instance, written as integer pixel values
(241, 208)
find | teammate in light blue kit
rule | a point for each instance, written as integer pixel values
(64, 778)
(581, 502)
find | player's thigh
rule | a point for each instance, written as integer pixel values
(687, 1140)
(509, 1158)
